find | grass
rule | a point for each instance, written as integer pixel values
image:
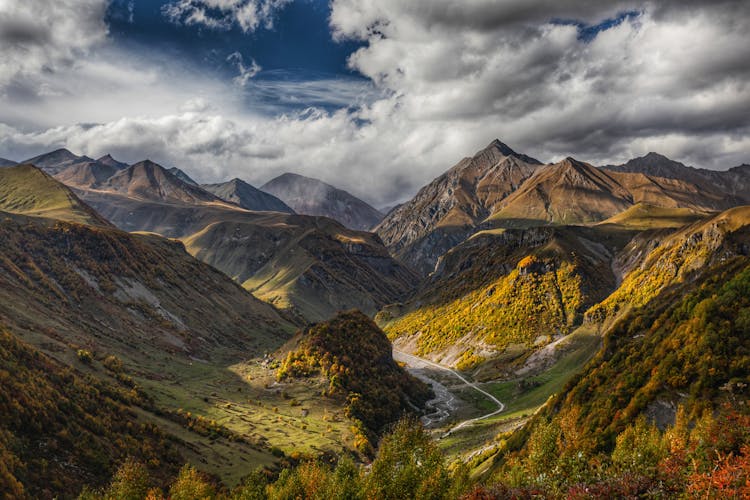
(26, 190)
(644, 216)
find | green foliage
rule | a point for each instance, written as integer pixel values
(50, 417)
(130, 482)
(408, 465)
(354, 355)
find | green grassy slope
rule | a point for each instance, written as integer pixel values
(26, 190)
(60, 430)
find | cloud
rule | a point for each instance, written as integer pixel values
(248, 15)
(443, 78)
(38, 36)
(245, 72)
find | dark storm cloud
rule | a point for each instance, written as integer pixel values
(14, 32)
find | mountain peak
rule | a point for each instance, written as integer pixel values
(502, 147)
(309, 196)
(111, 162)
(247, 196)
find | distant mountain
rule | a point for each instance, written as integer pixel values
(26, 190)
(87, 174)
(248, 197)
(111, 162)
(445, 211)
(573, 192)
(734, 182)
(147, 180)
(7, 163)
(311, 266)
(182, 176)
(56, 161)
(314, 197)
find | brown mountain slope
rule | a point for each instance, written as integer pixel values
(311, 265)
(26, 190)
(56, 161)
(248, 197)
(734, 182)
(573, 192)
(314, 197)
(445, 211)
(87, 175)
(147, 180)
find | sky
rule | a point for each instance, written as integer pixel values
(375, 96)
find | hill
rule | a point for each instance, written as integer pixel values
(448, 209)
(61, 429)
(248, 197)
(151, 318)
(310, 196)
(26, 190)
(355, 357)
(661, 408)
(312, 266)
(504, 294)
(645, 216)
(4, 162)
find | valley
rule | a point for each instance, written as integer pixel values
(254, 337)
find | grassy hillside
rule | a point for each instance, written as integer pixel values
(504, 289)
(677, 259)
(311, 266)
(61, 430)
(662, 407)
(175, 328)
(355, 357)
(644, 216)
(660, 412)
(26, 190)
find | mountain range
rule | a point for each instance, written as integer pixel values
(600, 312)
(498, 187)
(311, 266)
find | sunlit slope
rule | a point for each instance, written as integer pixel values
(26, 190)
(646, 216)
(505, 289)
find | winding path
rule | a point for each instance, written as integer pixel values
(417, 360)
